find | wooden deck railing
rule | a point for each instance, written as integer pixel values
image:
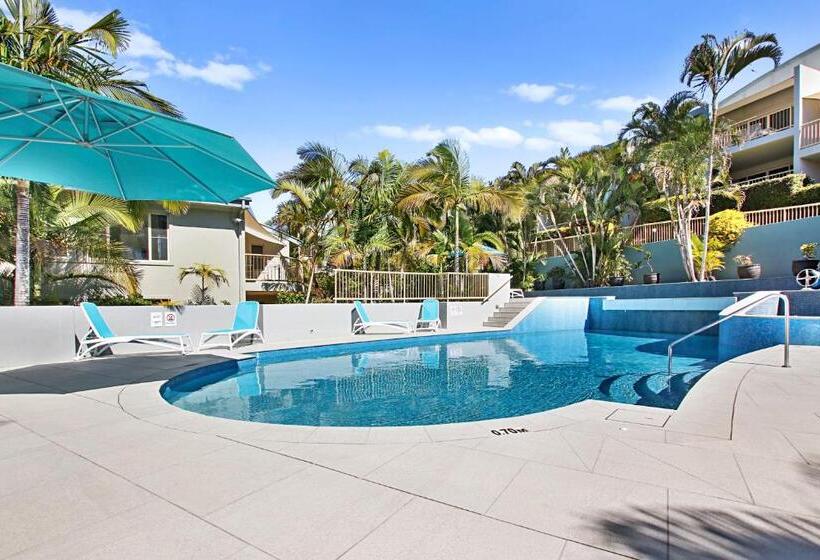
(760, 125)
(268, 268)
(810, 134)
(373, 285)
(664, 231)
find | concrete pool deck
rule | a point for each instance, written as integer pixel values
(95, 464)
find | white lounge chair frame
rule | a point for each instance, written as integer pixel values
(363, 322)
(94, 339)
(241, 329)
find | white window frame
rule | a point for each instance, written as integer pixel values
(148, 228)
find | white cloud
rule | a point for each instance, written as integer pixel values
(582, 133)
(142, 46)
(621, 102)
(565, 99)
(496, 136)
(534, 93)
(231, 76)
(539, 144)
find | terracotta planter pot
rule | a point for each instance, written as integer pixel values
(749, 271)
(652, 278)
(802, 264)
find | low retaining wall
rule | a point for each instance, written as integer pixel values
(743, 334)
(48, 334)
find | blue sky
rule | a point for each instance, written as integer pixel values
(512, 80)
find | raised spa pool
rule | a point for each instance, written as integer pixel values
(442, 379)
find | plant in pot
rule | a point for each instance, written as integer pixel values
(650, 277)
(747, 268)
(557, 276)
(809, 260)
(620, 271)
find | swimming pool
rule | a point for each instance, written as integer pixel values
(443, 379)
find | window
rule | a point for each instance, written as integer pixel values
(148, 244)
(256, 249)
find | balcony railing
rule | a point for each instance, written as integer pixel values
(810, 134)
(763, 179)
(269, 268)
(664, 231)
(757, 127)
(372, 285)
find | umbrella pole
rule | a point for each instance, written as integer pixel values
(22, 268)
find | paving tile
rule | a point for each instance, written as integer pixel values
(575, 551)
(424, 529)
(314, 514)
(355, 459)
(746, 440)
(25, 442)
(617, 429)
(37, 467)
(808, 445)
(70, 413)
(785, 485)
(582, 507)
(648, 417)
(548, 447)
(327, 434)
(398, 434)
(216, 479)
(157, 530)
(695, 470)
(454, 475)
(60, 506)
(703, 527)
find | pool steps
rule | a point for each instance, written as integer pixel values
(507, 312)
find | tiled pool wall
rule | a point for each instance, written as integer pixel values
(740, 335)
(608, 314)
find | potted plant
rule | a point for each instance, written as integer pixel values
(558, 277)
(809, 260)
(621, 271)
(747, 268)
(651, 277)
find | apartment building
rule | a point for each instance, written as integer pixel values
(776, 121)
(253, 256)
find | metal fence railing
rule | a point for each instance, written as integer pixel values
(374, 285)
(270, 268)
(758, 126)
(664, 231)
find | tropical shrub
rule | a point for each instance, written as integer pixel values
(714, 257)
(808, 250)
(288, 297)
(727, 226)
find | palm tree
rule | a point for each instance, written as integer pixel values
(209, 276)
(442, 180)
(710, 67)
(32, 38)
(652, 123)
(320, 198)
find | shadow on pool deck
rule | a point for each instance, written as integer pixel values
(88, 375)
(705, 528)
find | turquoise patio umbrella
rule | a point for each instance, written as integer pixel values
(56, 133)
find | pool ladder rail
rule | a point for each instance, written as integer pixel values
(756, 299)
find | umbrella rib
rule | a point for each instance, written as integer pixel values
(38, 121)
(170, 160)
(25, 144)
(122, 129)
(60, 99)
(213, 155)
(108, 156)
(32, 109)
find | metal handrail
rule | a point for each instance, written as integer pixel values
(779, 296)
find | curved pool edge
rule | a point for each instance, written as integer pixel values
(707, 410)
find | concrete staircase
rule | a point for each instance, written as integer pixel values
(507, 312)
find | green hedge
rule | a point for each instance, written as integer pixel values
(791, 190)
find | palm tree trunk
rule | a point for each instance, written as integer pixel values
(458, 241)
(709, 172)
(310, 282)
(22, 269)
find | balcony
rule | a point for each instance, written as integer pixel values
(810, 134)
(269, 272)
(758, 127)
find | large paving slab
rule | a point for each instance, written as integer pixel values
(95, 464)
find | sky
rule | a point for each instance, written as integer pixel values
(512, 80)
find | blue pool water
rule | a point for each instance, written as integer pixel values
(454, 378)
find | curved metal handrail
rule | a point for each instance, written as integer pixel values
(754, 303)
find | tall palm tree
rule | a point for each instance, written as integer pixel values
(652, 123)
(32, 38)
(709, 67)
(442, 180)
(321, 196)
(209, 276)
